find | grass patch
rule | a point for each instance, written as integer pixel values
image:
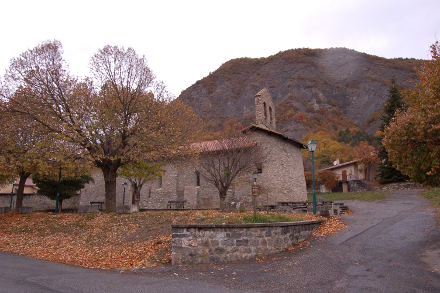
(433, 195)
(339, 196)
(268, 218)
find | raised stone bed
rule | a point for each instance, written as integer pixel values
(209, 243)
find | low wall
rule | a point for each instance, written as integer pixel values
(207, 243)
(39, 202)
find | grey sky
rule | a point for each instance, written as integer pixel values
(184, 40)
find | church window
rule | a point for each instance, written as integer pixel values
(270, 114)
(197, 178)
(259, 167)
(265, 111)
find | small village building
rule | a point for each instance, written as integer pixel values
(354, 174)
(280, 177)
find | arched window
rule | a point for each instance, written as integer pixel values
(270, 114)
(197, 178)
(265, 111)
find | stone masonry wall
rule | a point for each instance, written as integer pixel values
(282, 179)
(39, 202)
(205, 243)
(265, 109)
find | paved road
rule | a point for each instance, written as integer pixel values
(389, 246)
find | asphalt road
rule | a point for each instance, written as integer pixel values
(389, 246)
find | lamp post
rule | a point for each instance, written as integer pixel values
(124, 185)
(12, 194)
(254, 194)
(312, 147)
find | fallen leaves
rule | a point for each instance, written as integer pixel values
(329, 227)
(109, 240)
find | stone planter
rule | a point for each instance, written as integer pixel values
(206, 243)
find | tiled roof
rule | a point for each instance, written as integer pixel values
(340, 165)
(274, 133)
(221, 145)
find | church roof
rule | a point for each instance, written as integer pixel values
(221, 144)
(268, 131)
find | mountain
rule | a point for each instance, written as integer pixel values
(313, 89)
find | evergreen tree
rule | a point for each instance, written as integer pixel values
(387, 173)
(68, 186)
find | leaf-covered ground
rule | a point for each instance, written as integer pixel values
(105, 240)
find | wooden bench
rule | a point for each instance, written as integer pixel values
(97, 203)
(176, 204)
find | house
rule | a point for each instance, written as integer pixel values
(353, 174)
(281, 176)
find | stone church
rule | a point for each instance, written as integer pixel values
(280, 177)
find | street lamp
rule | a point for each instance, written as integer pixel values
(12, 194)
(124, 185)
(312, 147)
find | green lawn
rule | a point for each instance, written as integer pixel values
(433, 195)
(339, 196)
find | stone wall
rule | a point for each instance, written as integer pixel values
(207, 243)
(39, 202)
(282, 179)
(265, 109)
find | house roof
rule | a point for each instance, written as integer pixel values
(341, 165)
(268, 131)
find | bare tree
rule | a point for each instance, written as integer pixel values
(221, 161)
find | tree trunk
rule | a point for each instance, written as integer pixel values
(60, 208)
(20, 190)
(135, 195)
(222, 201)
(109, 170)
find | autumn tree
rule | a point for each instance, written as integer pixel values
(221, 161)
(138, 173)
(23, 148)
(412, 138)
(117, 116)
(328, 149)
(324, 177)
(387, 173)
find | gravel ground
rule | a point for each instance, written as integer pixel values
(391, 245)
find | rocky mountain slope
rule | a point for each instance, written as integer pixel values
(314, 89)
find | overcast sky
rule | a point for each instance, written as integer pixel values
(185, 40)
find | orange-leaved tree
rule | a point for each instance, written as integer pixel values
(119, 115)
(412, 138)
